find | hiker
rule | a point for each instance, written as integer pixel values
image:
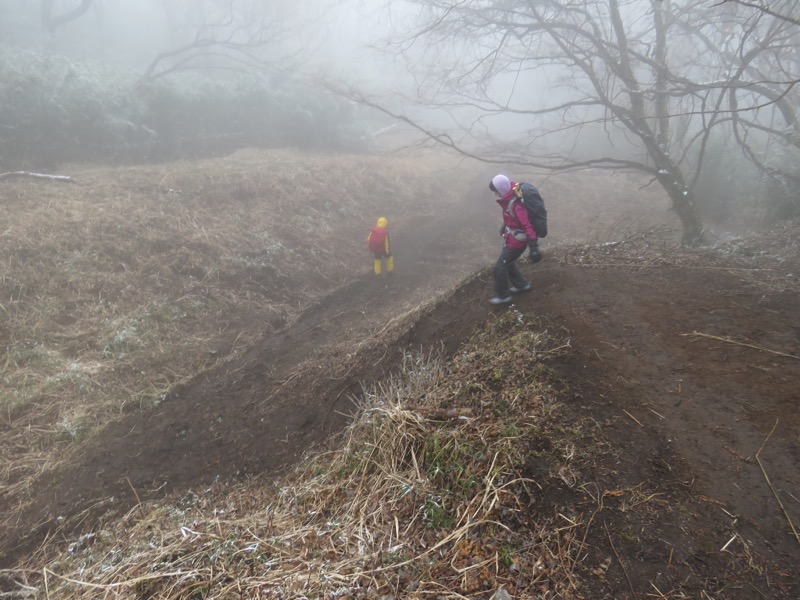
(378, 241)
(518, 234)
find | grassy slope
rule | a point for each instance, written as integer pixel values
(126, 282)
(129, 281)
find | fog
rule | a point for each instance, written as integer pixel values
(332, 36)
(625, 84)
(351, 44)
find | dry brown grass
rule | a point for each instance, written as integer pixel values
(126, 282)
(406, 506)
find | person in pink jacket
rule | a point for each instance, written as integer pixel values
(518, 234)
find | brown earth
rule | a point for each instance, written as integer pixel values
(688, 366)
(675, 364)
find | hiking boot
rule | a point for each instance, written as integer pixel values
(524, 288)
(498, 300)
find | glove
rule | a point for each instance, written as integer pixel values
(503, 229)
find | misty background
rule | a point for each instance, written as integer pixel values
(699, 97)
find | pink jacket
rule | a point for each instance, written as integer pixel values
(378, 240)
(515, 221)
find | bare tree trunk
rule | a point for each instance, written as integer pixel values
(657, 142)
(669, 175)
(683, 205)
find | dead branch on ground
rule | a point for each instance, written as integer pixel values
(730, 341)
(772, 489)
(12, 174)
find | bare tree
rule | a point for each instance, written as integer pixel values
(766, 9)
(208, 35)
(220, 35)
(763, 91)
(616, 84)
(213, 35)
(51, 21)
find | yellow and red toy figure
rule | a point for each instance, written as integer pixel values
(378, 241)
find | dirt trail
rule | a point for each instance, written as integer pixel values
(659, 362)
(654, 363)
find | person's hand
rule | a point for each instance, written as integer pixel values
(503, 229)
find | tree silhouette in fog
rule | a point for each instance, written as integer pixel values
(615, 84)
(52, 19)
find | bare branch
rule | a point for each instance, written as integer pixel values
(50, 23)
(764, 9)
(16, 174)
(444, 139)
(657, 79)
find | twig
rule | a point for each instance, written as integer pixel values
(723, 268)
(660, 593)
(619, 560)
(138, 500)
(442, 413)
(632, 417)
(730, 541)
(730, 341)
(769, 483)
(11, 174)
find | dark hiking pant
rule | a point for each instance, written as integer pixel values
(506, 269)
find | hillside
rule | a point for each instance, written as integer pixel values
(186, 347)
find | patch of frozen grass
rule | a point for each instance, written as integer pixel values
(122, 342)
(75, 372)
(27, 354)
(131, 333)
(71, 428)
(27, 367)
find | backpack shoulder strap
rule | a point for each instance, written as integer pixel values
(510, 205)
